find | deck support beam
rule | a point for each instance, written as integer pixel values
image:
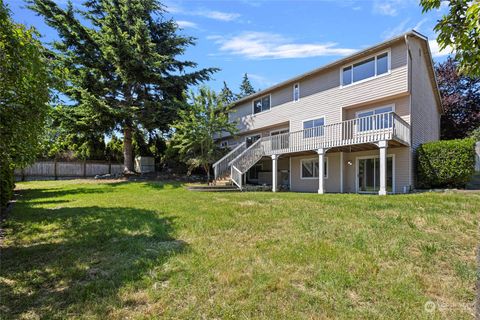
(321, 170)
(382, 145)
(274, 172)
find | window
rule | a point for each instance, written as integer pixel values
(261, 104)
(252, 139)
(366, 122)
(309, 168)
(365, 69)
(296, 92)
(313, 128)
(224, 144)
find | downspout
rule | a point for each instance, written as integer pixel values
(410, 90)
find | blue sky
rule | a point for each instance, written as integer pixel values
(273, 41)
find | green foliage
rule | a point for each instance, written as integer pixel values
(123, 70)
(246, 87)
(475, 134)
(459, 29)
(446, 163)
(24, 92)
(114, 149)
(204, 120)
(226, 94)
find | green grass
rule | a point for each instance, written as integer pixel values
(82, 249)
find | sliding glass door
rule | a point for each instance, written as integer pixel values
(368, 179)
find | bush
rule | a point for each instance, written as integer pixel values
(447, 163)
(7, 184)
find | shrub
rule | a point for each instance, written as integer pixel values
(447, 163)
(6, 184)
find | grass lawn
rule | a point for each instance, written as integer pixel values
(85, 249)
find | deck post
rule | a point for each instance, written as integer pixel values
(321, 170)
(383, 167)
(274, 172)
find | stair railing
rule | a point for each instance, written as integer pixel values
(221, 168)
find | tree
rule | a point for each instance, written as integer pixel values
(205, 119)
(460, 100)
(246, 87)
(459, 29)
(24, 93)
(123, 71)
(226, 94)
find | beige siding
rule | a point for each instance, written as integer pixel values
(332, 183)
(321, 95)
(425, 112)
(402, 108)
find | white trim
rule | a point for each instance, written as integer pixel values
(389, 71)
(373, 156)
(260, 98)
(293, 95)
(312, 178)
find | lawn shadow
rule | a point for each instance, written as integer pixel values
(88, 255)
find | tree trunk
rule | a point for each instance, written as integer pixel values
(127, 150)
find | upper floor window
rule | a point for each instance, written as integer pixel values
(313, 128)
(261, 104)
(367, 121)
(296, 92)
(365, 69)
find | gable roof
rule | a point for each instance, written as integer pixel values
(354, 56)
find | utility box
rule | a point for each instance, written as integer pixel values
(144, 164)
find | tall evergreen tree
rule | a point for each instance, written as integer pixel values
(226, 94)
(246, 87)
(123, 68)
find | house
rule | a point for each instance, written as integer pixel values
(361, 117)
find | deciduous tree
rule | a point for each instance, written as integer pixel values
(460, 100)
(205, 119)
(459, 29)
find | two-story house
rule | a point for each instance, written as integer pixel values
(350, 126)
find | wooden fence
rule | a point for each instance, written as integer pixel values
(68, 169)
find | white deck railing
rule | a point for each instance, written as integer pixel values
(221, 168)
(371, 129)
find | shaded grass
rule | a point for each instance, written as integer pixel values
(152, 250)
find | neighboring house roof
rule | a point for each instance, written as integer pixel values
(354, 57)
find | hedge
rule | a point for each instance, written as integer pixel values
(445, 164)
(7, 183)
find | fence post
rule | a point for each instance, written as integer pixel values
(84, 168)
(55, 169)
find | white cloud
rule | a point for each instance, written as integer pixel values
(385, 8)
(258, 45)
(261, 81)
(217, 15)
(210, 14)
(186, 24)
(399, 29)
(435, 49)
